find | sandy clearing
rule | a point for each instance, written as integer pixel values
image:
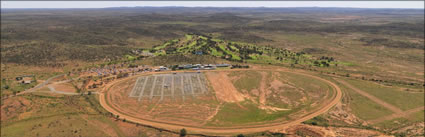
(65, 87)
(264, 92)
(223, 87)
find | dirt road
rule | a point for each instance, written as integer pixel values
(230, 130)
(397, 115)
(371, 97)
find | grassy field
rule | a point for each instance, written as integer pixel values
(53, 116)
(366, 110)
(401, 121)
(63, 125)
(246, 80)
(232, 114)
(418, 116)
(307, 83)
(402, 99)
(363, 107)
(313, 90)
(283, 90)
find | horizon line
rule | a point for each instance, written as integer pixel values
(218, 7)
(212, 4)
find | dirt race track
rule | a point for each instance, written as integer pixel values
(103, 98)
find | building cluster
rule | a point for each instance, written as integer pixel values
(25, 79)
(107, 72)
(202, 66)
(192, 67)
(114, 70)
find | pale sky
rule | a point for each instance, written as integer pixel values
(105, 4)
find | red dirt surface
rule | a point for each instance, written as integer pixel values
(12, 107)
(223, 87)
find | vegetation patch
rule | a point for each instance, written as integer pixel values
(245, 113)
(237, 51)
(363, 107)
(390, 43)
(317, 121)
(246, 80)
(402, 99)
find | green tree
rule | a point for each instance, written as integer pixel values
(183, 132)
(174, 67)
(6, 87)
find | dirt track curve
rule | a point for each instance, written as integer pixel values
(220, 130)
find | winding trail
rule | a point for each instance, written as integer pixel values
(103, 96)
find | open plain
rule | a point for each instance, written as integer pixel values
(180, 71)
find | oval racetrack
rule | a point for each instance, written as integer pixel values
(224, 131)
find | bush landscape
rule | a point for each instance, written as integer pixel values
(285, 62)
